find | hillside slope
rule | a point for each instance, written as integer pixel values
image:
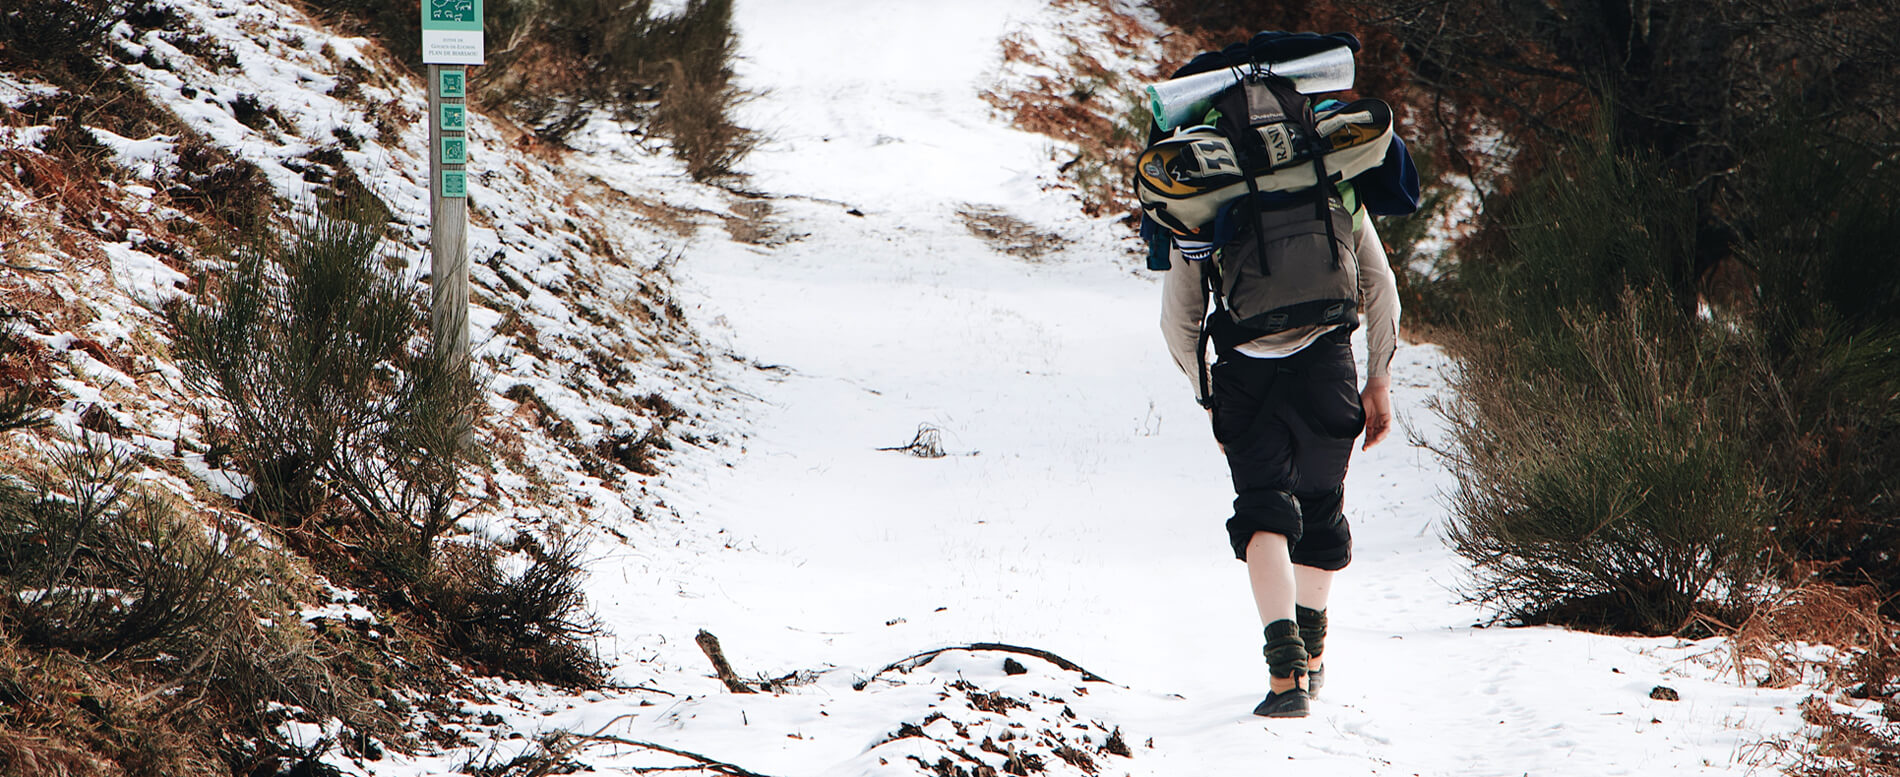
(131, 167)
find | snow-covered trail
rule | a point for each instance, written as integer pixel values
(1080, 508)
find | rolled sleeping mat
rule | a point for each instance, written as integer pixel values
(1183, 181)
(1182, 101)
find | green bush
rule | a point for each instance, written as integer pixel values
(1620, 493)
(1596, 223)
(1824, 250)
(1602, 440)
(315, 348)
(60, 34)
(340, 414)
(300, 341)
(1767, 402)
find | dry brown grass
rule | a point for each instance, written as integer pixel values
(657, 213)
(1088, 105)
(47, 755)
(1009, 234)
(1766, 647)
(751, 223)
(1837, 744)
(25, 366)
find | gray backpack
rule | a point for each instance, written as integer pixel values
(1284, 259)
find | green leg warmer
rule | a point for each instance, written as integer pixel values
(1312, 629)
(1286, 654)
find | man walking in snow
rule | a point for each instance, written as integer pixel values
(1286, 408)
(1293, 269)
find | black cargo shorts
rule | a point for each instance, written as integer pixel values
(1287, 426)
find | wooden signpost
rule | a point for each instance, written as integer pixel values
(451, 41)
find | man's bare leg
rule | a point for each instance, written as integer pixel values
(1312, 587)
(1271, 572)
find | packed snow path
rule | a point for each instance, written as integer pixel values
(1079, 509)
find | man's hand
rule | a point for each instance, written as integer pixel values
(1378, 407)
(1210, 420)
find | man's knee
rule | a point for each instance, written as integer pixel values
(1325, 540)
(1276, 512)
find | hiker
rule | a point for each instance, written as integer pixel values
(1285, 410)
(1282, 394)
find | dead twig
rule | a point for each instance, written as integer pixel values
(600, 735)
(926, 444)
(702, 762)
(709, 644)
(926, 657)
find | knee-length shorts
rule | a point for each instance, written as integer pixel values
(1287, 426)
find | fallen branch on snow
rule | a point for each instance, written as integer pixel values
(709, 645)
(926, 657)
(709, 764)
(563, 744)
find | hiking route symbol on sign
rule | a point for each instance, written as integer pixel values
(452, 11)
(451, 32)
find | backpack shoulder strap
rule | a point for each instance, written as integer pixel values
(1210, 285)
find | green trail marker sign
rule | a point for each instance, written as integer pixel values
(454, 117)
(454, 151)
(452, 82)
(452, 32)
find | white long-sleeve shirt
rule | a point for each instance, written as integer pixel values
(1184, 306)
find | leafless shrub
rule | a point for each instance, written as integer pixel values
(926, 444)
(161, 613)
(95, 563)
(551, 755)
(695, 114)
(212, 184)
(531, 624)
(1837, 744)
(635, 451)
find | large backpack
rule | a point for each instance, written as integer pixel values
(1282, 259)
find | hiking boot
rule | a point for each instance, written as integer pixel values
(1314, 679)
(1286, 658)
(1283, 704)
